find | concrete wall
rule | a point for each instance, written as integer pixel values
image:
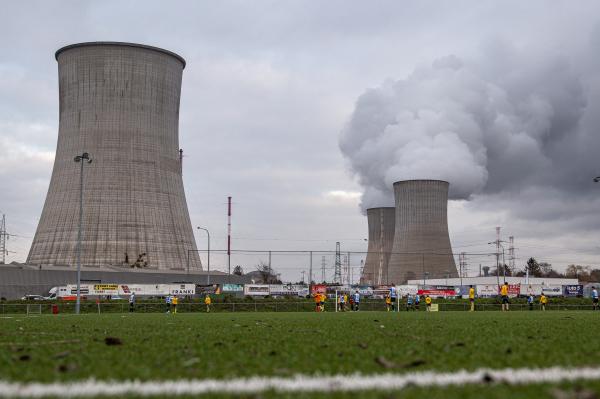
(120, 103)
(421, 239)
(381, 239)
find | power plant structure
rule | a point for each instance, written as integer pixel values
(119, 102)
(381, 239)
(421, 248)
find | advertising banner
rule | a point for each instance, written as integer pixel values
(105, 289)
(203, 289)
(573, 290)
(318, 289)
(381, 291)
(404, 290)
(531, 289)
(84, 289)
(486, 290)
(233, 288)
(288, 289)
(256, 290)
(182, 289)
(437, 291)
(552, 290)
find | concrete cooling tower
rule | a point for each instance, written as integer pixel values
(381, 239)
(421, 247)
(119, 102)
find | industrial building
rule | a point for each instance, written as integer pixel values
(119, 102)
(381, 239)
(421, 246)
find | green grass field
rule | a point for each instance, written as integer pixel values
(184, 346)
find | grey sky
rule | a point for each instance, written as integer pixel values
(269, 86)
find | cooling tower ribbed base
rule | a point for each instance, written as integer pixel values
(120, 103)
(421, 247)
(381, 239)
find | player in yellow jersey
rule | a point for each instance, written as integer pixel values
(472, 298)
(174, 302)
(428, 303)
(322, 302)
(207, 302)
(317, 298)
(388, 302)
(504, 296)
(543, 302)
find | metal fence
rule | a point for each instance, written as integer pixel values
(297, 306)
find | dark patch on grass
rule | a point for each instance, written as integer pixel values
(112, 341)
(488, 379)
(24, 358)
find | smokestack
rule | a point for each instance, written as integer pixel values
(421, 247)
(381, 239)
(120, 103)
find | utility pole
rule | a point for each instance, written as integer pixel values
(310, 279)
(3, 237)
(80, 158)
(511, 254)
(337, 277)
(349, 270)
(270, 270)
(498, 254)
(303, 272)
(229, 237)
(323, 269)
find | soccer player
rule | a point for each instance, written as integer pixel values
(543, 301)
(207, 302)
(408, 302)
(174, 302)
(472, 297)
(393, 296)
(322, 298)
(345, 301)
(132, 302)
(388, 302)
(417, 301)
(428, 303)
(168, 303)
(530, 301)
(594, 298)
(341, 301)
(504, 295)
(356, 300)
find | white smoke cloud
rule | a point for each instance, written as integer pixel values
(497, 123)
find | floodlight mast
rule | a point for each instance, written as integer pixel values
(82, 160)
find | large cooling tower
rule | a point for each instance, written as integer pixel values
(421, 247)
(381, 238)
(120, 103)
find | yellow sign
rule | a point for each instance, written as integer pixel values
(434, 307)
(106, 287)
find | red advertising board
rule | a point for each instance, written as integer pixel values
(437, 291)
(318, 289)
(513, 290)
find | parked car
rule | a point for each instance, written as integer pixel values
(33, 298)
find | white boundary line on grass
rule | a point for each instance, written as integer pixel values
(299, 383)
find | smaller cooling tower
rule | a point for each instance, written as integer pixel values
(381, 238)
(421, 248)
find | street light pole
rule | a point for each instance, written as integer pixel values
(208, 254)
(80, 158)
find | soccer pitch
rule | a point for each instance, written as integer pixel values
(226, 347)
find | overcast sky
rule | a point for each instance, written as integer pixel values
(269, 95)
